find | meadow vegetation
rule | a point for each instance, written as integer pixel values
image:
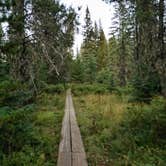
(30, 133)
(118, 132)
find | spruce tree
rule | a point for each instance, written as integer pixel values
(102, 54)
(140, 26)
(87, 28)
(88, 49)
(54, 33)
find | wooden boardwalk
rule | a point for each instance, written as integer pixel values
(71, 149)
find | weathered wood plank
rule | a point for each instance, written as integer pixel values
(65, 145)
(71, 149)
(79, 159)
(64, 158)
(78, 152)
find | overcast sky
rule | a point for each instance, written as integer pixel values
(99, 11)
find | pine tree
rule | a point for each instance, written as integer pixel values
(17, 45)
(146, 79)
(102, 54)
(113, 48)
(54, 33)
(37, 36)
(88, 28)
(88, 49)
(122, 34)
(96, 34)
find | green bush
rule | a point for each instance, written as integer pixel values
(148, 123)
(105, 77)
(78, 89)
(120, 91)
(30, 135)
(141, 131)
(13, 94)
(16, 129)
(50, 88)
(145, 88)
(135, 135)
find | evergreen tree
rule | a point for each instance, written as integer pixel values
(88, 50)
(37, 38)
(146, 79)
(102, 54)
(113, 67)
(138, 29)
(77, 70)
(88, 28)
(96, 35)
(54, 32)
(121, 38)
(17, 41)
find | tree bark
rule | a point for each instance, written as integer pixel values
(161, 63)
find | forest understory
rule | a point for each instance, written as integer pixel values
(118, 132)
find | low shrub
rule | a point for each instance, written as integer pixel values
(119, 133)
(14, 94)
(30, 135)
(82, 89)
(145, 88)
(16, 129)
(146, 122)
(105, 77)
(123, 90)
(50, 88)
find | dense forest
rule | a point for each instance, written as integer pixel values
(119, 85)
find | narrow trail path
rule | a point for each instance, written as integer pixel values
(71, 149)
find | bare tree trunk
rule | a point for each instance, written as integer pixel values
(161, 64)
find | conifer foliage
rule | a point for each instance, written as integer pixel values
(36, 31)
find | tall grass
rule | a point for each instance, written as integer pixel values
(119, 133)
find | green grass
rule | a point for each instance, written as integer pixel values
(39, 136)
(119, 133)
